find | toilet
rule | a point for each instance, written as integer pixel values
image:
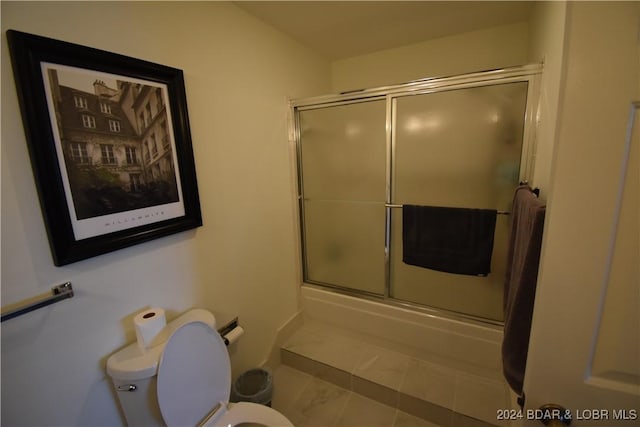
(184, 380)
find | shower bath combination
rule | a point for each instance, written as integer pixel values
(456, 142)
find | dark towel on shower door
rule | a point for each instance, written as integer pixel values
(453, 240)
(523, 257)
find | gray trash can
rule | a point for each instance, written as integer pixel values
(254, 385)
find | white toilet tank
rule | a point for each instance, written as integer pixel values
(140, 407)
(134, 371)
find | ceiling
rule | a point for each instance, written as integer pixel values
(342, 29)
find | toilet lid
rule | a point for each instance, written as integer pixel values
(193, 374)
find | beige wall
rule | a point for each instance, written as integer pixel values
(238, 75)
(546, 44)
(539, 40)
(488, 49)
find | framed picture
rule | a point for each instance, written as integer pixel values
(110, 146)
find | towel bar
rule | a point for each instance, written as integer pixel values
(389, 205)
(58, 293)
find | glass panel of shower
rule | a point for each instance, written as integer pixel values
(460, 142)
(343, 155)
(457, 148)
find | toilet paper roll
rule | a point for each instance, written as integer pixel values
(149, 325)
(233, 335)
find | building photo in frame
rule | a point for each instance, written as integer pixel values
(110, 146)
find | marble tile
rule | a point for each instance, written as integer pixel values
(480, 398)
(426, 410)
(315, 326)
(363, 412)
(333, 375)
(342, 353)
(382, 366)
(317, 369)
(305, 342)
(288, 383)
(298, 361)
(406, 420)
(323, 346)
(375, 391)
(460, 420)
(320, 404)
(430, 382)
(349, 379)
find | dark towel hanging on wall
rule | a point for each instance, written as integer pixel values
(453, 240)
(525, 242)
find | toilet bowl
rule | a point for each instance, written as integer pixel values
(245, 414)
(185, 381)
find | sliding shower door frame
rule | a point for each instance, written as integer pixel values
(527, 73)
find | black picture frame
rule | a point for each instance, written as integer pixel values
(101, 185)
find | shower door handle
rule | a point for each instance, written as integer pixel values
(553, 415)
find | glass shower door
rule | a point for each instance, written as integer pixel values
(343, 162)
(457, 148)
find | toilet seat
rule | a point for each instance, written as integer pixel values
(194, 375)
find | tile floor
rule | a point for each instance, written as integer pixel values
(309, 401)
(329, 377)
